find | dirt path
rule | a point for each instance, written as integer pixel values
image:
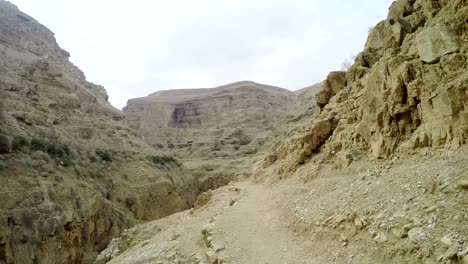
(253, 231)
(246, 225)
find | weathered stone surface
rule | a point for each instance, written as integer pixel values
(218, 132)
(393, 101)
(332, 85)
(435, 42)
(76, 175)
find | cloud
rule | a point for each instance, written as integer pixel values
(136, 48)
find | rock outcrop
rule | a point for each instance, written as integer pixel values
(217, 132)
(408, 89)
(206, 116)
(73, 174)
(393, 124)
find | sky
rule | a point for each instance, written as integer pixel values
(134, 48)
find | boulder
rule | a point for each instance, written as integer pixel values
(435, 42)
(334, 83)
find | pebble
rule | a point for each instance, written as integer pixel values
(463, 184)
(381, 238)
(451, 252)
(446, 240)
(417, 234)
(463, 253)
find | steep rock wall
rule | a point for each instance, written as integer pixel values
(408, 89)
(73, 174)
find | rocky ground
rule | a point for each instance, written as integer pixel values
(376, 173)
(410, 209)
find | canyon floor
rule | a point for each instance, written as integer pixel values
(411, 209)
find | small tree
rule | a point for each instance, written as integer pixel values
(348, 63)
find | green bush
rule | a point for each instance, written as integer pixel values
(21, 144)
(5, 144)
(163, 160)
(104, 154)
(38, 144)
(57, 151)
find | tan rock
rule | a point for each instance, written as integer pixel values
(463, 184)
(203, 199)
(435, 42)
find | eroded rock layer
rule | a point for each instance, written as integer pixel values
(408, 89)
(72, 173)
(218, 132)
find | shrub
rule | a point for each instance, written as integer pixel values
(5, 144)
(104, 154)
(130, 201)
(21, 143)
(38, 144)
(163, 160)
(55, 151)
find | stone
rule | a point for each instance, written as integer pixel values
(435, 42)
(417, 234)
(463, 184)
(380, 238)
(463, 253)
(334, 83)
(211, 256)
(203, 199)
(451, 252)
(446, 240)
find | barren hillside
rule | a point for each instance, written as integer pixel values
(73, 174)
(377, 175)
(217, 132)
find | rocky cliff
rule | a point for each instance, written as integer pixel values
(73, 174)
(217, 132)
(376, 174)
(193, 120)
(408, 89)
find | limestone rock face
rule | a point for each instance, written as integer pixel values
(435, 42)
(333, 84)
(408, 89)
(73, 174)
(215, 131)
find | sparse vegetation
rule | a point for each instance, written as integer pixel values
(55, 150)
(21, 144)
(38, 144)
(104, 154)
(5, 144)
(348, 63)
(163, 160)
(130, 201)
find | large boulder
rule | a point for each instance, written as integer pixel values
(435, 42)
(334, 83)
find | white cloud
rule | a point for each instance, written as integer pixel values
(135, 48)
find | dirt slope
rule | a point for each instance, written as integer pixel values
(408, 210)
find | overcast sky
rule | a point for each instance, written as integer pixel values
(137, 47)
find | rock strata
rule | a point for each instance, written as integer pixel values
(73, 174)
(407, 90)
